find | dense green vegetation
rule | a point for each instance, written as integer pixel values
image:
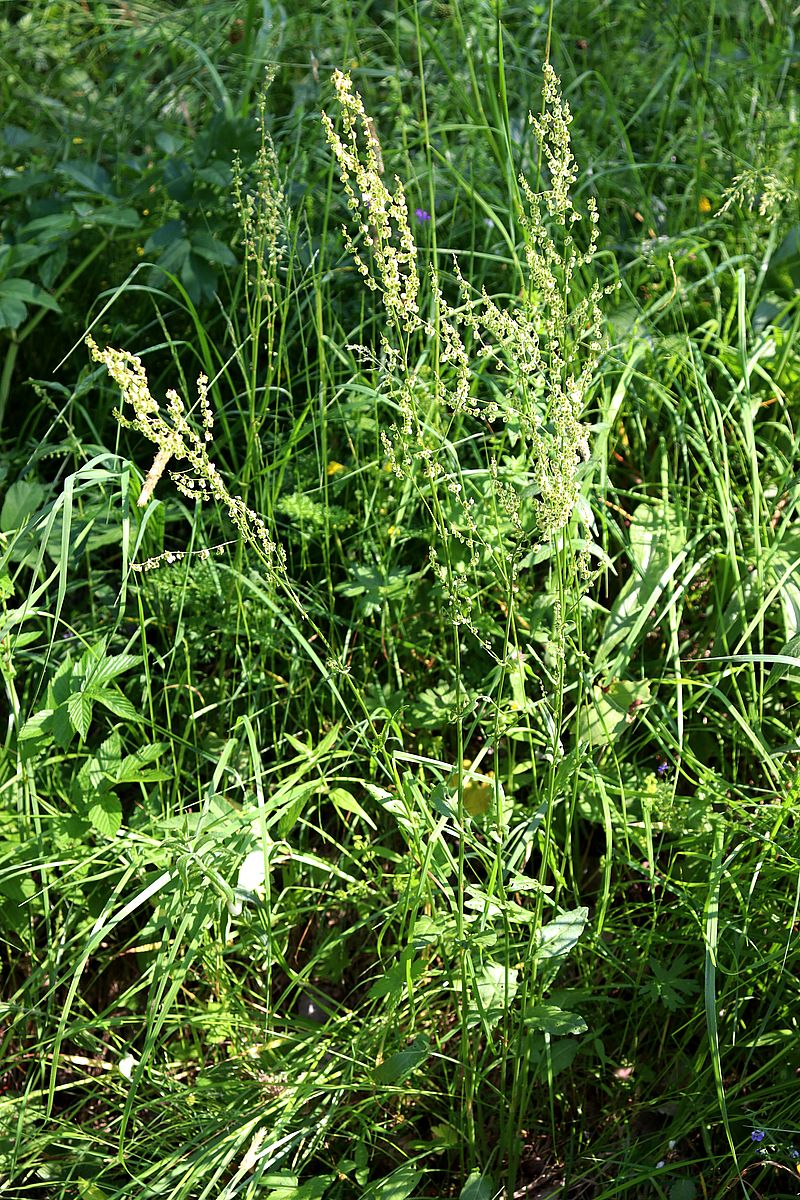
(399, 790)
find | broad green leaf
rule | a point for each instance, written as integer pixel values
(279, 1180)
(561, 934)
(292, 1189)
(199, 278)
(657, 541)
(445, 1136)
(428, 930)
(683, 1189)
(105, 814)
(611, 710)
(212, 249)
(400, 1065)
(51, 267)
(12, 312)
(61, 726)
(109, 755)
(554, 1020)
(398, 1185)
(168, 235)
(45, 230)
(551, 1057)
(116, 216)
(494, 990)
(88, 175)
(15, 892)
(89, 1190)
(22, 500)
(291, 811)
(344, 802)
(29, 293)
(21, 139)
(395, 981)
(478, 1187)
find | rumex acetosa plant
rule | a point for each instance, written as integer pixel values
(177, 440)
(545, 347)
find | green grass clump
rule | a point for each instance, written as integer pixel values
(400, 777)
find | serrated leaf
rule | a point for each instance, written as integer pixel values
(400, 1065)
(135, 768)
(36, 728)
(61, 726)
(106, 668)
(105, 814)
(79, 710)
(199, 278)
(116, 216)
(118, 704)
(109, 754)
(166, 236)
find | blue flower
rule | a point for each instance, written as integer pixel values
(422, 215)
(757, 1135)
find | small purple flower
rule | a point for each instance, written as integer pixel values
(662, 769)
(757, 1135)
(794, 1153)
(421, 214)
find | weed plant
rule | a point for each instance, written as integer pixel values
(399, 786)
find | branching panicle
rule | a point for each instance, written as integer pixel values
(175, 438)
(545, 348)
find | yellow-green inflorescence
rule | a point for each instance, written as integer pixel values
(177, 440)
(547, 346)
